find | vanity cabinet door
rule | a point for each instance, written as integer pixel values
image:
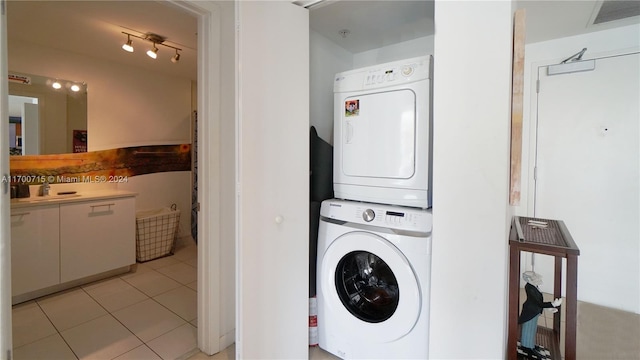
(35, 248)
(96, 236)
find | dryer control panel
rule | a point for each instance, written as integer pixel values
(383, 75)
(384, 216)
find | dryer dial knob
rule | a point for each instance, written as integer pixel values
(368, 215)
(407, 70)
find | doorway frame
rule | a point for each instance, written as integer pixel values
(209, 160)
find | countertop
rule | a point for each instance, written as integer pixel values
(80, 196)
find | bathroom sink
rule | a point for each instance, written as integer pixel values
(49, 198)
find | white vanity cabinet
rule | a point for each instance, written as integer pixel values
(35, 251)
(59, 242)
(96, 236)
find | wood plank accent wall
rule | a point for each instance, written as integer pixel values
(517, 97)
(100, 166)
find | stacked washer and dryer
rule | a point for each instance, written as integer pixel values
(374, 239)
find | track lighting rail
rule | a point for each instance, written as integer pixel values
(155, 39)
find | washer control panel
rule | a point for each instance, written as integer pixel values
(368, 215)
(387, 216)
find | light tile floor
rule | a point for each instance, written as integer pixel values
(150, 313)
(602, 333)
(315, 353)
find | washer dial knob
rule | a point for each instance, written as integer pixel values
(368, 215)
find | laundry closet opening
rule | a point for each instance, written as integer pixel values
(345, 36)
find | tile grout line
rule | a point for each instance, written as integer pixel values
(187, 322)
(59, 332)
(123, 325)
(152, 298)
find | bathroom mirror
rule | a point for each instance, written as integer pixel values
(47, 115)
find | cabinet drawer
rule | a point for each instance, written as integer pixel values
(96, 236)
(35, 248)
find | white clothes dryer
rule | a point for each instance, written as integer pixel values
(382, 133)
(373, 280)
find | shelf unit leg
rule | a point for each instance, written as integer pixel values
(514, 302)
(571, 307)
(557, 293)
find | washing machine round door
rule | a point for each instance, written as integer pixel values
(370, 287)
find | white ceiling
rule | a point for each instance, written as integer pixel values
(374, 24)
(94, 27)
(552, 19)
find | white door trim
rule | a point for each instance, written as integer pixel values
(208, 104)
(5, 210)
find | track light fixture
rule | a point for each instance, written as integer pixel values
(153, 52)
(175, 57)
(155, 39)
(128, 45)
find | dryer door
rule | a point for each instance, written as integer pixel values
(369, 287)
(379, 135)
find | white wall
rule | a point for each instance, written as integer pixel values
(471, 216)
(402, 50)
(126, 107)
(326, 59)
(161, 190)
(602, 43)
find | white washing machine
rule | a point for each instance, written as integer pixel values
(382, 133)
(373, 280)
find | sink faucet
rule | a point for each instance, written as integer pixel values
(45, 188)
